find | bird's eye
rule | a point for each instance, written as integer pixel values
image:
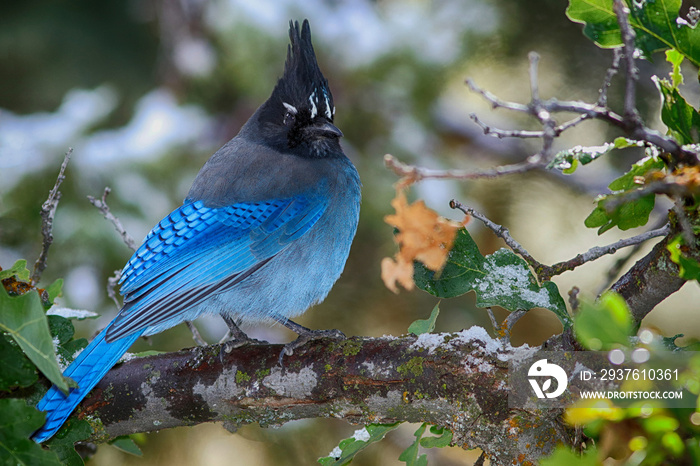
(289, 118)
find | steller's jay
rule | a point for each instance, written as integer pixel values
(263, 234)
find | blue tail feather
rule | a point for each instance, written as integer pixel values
(87, 369)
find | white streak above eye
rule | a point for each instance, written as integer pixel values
(290, 108)
(314, 109)
(329, 113)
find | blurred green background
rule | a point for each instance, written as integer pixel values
(146, 91)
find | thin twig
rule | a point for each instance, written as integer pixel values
(545, 272)
(415, 174)
(513, 319)
(495, 101)
(612, 71)
(634, 128)
(540, 110)
(524, 134)
(492, 317)
(101, 204)
(628, 35)
(196, 336)
(48, 212)
(501, 232)
(112, 283)
(504, 133)
(597, 252)
(573, 298)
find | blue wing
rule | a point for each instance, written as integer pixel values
(197, 251)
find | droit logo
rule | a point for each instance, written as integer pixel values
(540, 376)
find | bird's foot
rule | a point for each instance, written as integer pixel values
(307, 336)
(235, 337)
(230, 344)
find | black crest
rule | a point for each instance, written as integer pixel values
(303, 85)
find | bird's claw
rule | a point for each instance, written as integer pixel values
(306, 337)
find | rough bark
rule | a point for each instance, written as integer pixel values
(651, 280)
(456, 380)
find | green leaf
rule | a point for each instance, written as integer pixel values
(500, 279)
(675, 58)
(425, 325)
(568, 160)
(15, 369)
(604, 324)
(24, 319)
(62, 330)
(63, 443)
(410, 454)
(656, 24)
(17, 423)
(564, 455)
(682, 120)
(347, 449)
(627, 214)
(19, 269)
(54, 290)
(443, 439)
(127, 445)
(689, 268)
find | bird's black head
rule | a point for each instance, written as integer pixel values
(298, 116)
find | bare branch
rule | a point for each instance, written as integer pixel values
(101, 204)
(414, 174)
(495, 101)
(612, 71)
(525, 134)
(628, 35)
(196, 336)
(501, 232)
(545, 272)
(48, 212)
(112, 283)
(597, 252)
(504, 133)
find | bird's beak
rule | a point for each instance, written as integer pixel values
(324, 129)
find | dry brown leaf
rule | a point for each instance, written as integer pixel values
(422, 235)
(397, 272)
(688, 176)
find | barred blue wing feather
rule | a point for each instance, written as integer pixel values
(197, 251)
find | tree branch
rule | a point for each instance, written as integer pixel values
(101, 204)
(48, 212)
(651, 280)
(597, 252)
(454, 380)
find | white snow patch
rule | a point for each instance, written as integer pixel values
(361, 435)
(490, 345)
(69, 313)
(507, 280)
(429, 341)
(336, 453)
